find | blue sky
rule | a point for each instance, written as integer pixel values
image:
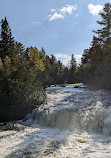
(62, 27)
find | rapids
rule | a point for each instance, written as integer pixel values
(72, 123)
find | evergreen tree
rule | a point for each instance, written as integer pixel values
(6, 40)
(85, 56)
(72, 69)
(73, 63)
(65, 75)
(43, 50)
(53, 59)
(104, 34)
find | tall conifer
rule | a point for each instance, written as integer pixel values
(72, 69)
(104, 34)
(6, 39)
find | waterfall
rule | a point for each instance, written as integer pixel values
(76, 110)
(73, 123)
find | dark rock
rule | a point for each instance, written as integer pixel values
(11, 126)
(76, 86)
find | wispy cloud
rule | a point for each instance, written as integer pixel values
(94, 9)
(61, 13)
(68, 9)
(55, 16)
(65, 58)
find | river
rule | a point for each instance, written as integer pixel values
(73, 123)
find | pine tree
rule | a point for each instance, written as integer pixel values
(85, 56)
(6, 40)
(104, 34)
(72, 69)
(43, 50)
(73, 63)
(53, 59)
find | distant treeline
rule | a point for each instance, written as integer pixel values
(24, 74)
(96, 61)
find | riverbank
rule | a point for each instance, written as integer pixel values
(24, 105)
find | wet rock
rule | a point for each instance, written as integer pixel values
(11, 126)
(77, 86)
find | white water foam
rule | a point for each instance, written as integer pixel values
(73, 123)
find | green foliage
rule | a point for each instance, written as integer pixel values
(24, 75)
(96, 61)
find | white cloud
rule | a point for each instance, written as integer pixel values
(68, 9)
(55, 16)
(65, 58)
(60, 13)
(94, 9)
(78, 58)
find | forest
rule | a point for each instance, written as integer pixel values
(26, 72)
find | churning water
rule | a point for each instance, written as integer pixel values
(73, 123)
